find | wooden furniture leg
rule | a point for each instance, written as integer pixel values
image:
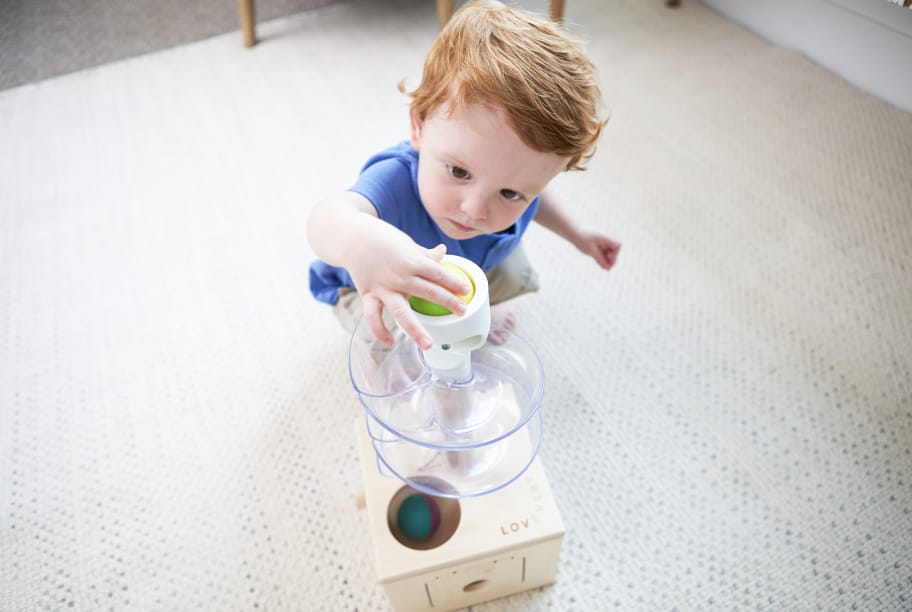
(247, 15)
(557, 11)
(444, 11)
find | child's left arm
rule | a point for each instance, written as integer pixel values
(553, 215)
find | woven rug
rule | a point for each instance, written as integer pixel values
(40, 39)
(727, 414)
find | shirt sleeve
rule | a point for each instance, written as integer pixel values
(386, 184)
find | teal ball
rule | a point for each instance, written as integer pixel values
(418, 517)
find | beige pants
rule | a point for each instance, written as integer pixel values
(511, 278)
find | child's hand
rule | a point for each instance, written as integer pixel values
(552, 213)
(603, 249)
(395, 267)
(386, 265)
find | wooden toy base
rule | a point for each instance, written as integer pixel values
(493, 545)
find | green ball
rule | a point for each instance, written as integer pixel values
(418, 517)
(426, 307)
(436, 310)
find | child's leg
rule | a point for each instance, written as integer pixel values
(348, 309)
(513, 277)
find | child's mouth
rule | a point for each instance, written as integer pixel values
(461, 227)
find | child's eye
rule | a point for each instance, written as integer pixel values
(458, 173)
(511, 195)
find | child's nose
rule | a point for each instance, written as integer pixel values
(475, 207)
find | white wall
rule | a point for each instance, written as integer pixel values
(867, 42)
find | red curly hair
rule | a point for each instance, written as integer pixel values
(498, 56)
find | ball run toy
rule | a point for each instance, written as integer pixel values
(460, 509)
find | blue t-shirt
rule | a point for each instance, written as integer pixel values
(389, 180)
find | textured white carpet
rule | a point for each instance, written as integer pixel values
(728, 415)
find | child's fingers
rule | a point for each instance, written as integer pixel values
(437, 252)
(607, 253)
(373, 316)
(599, 253)
(613, 253)
(442, 276)
(415, 331)
(438, 294)
(405, 317)
(605, 259)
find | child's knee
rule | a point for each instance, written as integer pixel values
(512, 278)
(349, 308)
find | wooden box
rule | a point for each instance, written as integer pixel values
(503, 543)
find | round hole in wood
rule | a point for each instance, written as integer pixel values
(449, 515)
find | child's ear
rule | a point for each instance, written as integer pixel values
(416, 123)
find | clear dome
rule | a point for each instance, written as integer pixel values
(444, 437)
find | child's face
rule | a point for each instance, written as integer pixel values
(475, 175)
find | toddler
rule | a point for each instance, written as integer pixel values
(506, 102)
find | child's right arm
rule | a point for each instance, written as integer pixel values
(385, 264)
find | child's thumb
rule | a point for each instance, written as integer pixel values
(437, 252)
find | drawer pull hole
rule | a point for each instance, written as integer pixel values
(474, 586)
